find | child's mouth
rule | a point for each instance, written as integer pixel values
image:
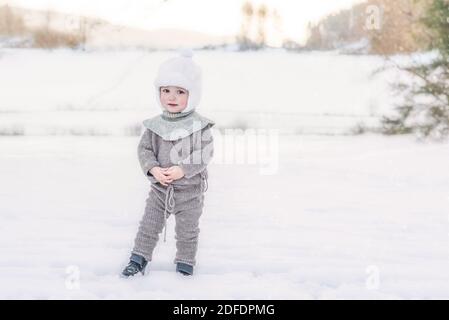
(172, 104)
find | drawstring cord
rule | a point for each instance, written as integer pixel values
(205, 184)
(169, 206)
(169, 202)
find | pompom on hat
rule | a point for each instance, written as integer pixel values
(181, 71)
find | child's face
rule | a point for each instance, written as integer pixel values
(174, 99)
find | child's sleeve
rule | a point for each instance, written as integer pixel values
(146, 155)
(201, 156)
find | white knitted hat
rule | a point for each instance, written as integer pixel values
(182, 72)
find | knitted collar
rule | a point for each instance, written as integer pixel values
(181, 126)
(175, 116)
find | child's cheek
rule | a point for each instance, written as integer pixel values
(180, 101)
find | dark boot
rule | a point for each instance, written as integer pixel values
(136, 264)
(184, 268)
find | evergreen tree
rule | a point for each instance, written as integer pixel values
(425, 110)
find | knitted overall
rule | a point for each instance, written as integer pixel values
(184, 198)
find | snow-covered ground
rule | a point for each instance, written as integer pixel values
(342, 217)
(110, 92)
(338, 217)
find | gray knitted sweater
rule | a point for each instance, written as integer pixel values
(192, 153)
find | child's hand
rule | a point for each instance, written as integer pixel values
(174, 173)
(161, 175)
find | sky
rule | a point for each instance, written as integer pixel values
(217, 17)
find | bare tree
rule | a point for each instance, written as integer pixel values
(390, 26)
(48, 18)
(262, 13)
(400, 28)
(86, 26)
(244, 39)
(10, 23)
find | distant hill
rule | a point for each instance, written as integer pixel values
(99, 33)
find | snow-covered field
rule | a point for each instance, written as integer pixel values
(110, 92)
(338, 217)
(343, 217)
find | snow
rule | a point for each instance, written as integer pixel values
(343, 217)
(307, 93)
(315, 216)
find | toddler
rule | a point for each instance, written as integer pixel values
(174, 152)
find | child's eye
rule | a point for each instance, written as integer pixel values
(165, 90)
(181, 92)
